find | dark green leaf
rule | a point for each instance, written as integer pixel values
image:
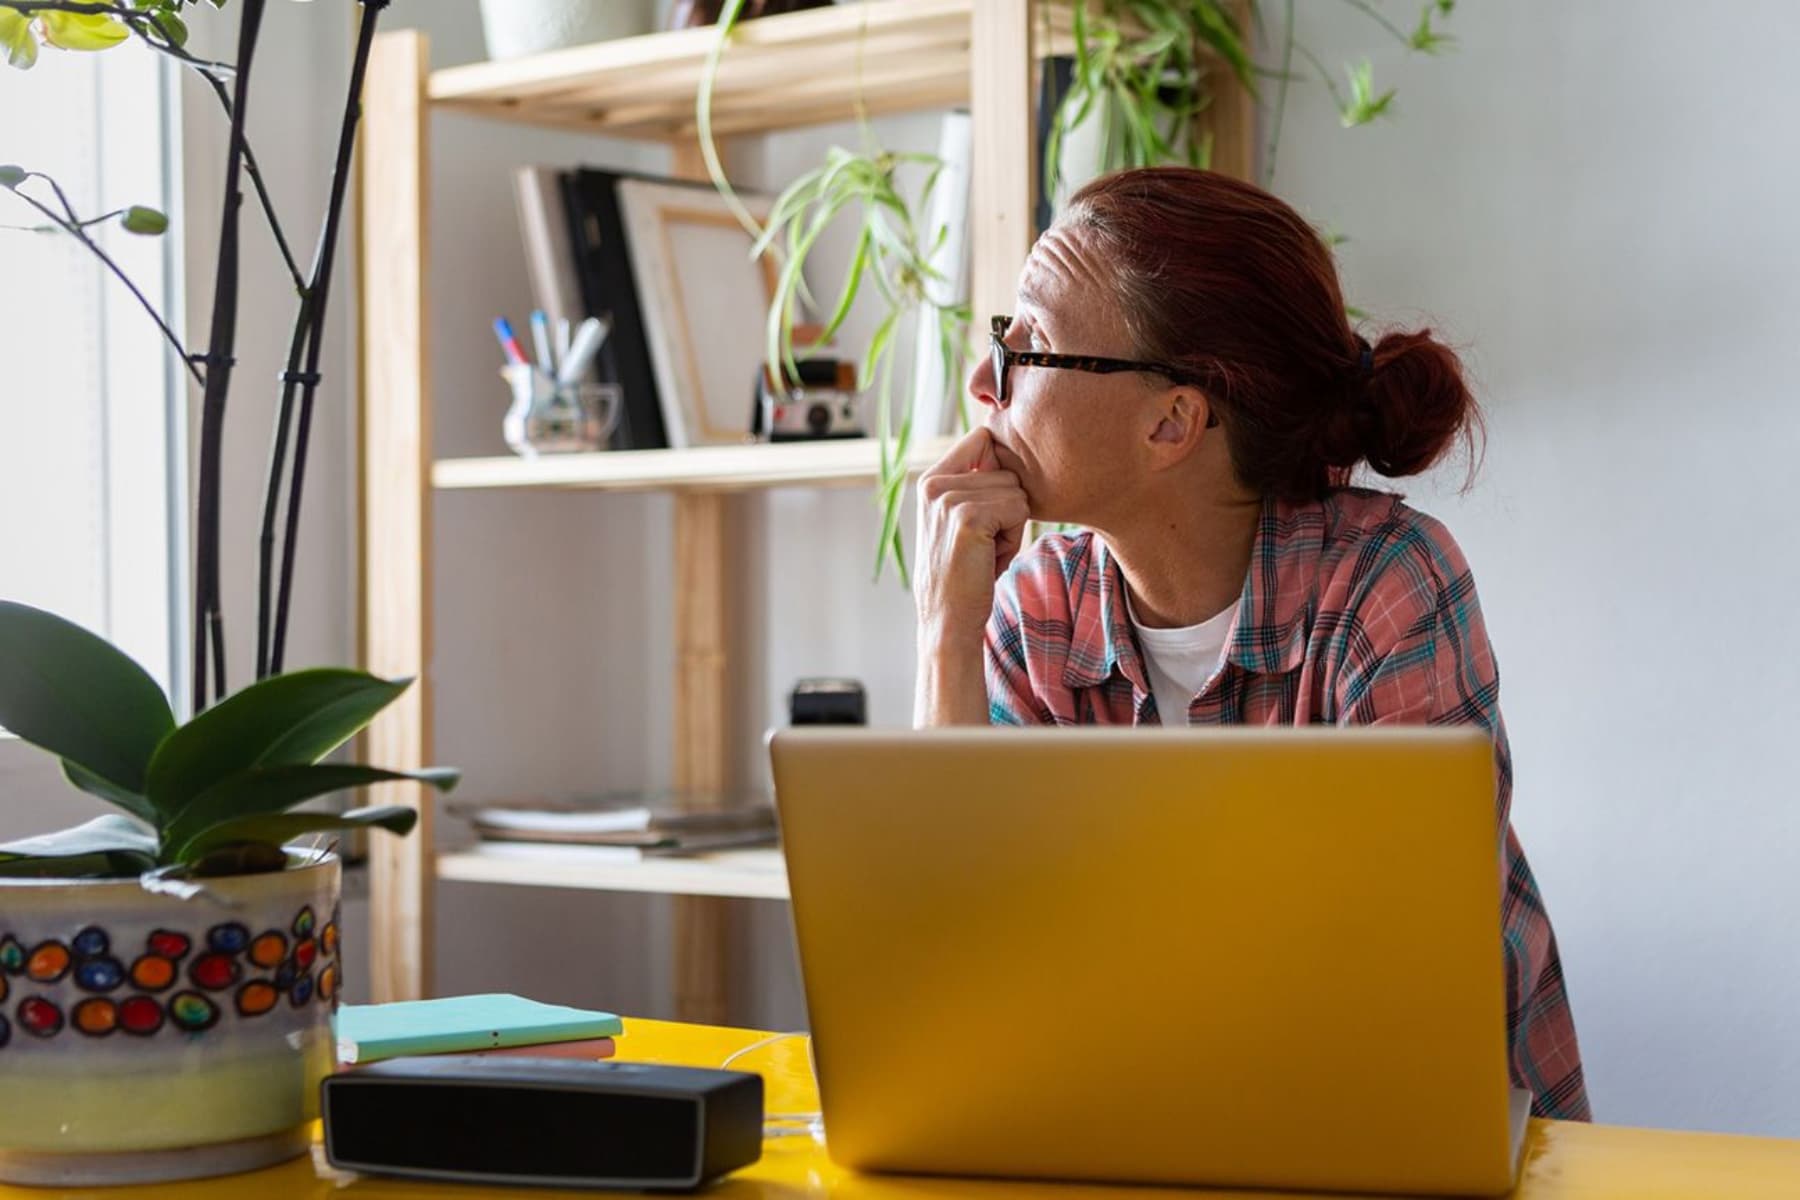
(173, 28)
(105, 846)
(76, 695)
(142, 220)
(132, 802)
(12, 176)
(278, 828)
(263, 790)
(119, 864)
(299, 717)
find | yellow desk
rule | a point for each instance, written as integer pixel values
(1563, 1161)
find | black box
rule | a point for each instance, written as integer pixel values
(543, 1121)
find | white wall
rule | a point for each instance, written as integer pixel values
(1598, 201)
(1594, 200)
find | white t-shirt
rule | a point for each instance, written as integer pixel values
(1180, 661)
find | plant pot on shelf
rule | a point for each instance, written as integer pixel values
(150, 1038)
(516, 27)
(685, 14)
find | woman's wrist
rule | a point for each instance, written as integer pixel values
(952, 688)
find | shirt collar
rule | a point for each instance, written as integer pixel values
(1267, 637)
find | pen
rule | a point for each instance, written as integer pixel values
(540, 339)
(562, 340)
(593, 331)
(504, 331)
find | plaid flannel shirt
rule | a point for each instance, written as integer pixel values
(1357, 611)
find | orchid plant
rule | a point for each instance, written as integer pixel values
(214, 795)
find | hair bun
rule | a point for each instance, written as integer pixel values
(1403, 414)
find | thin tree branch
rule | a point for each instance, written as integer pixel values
(151, 35)
(208, 619)
(1337, 97)
(1287, 63)
(265, 562)
(73, 228)
(314, 306)
(1380, 19)
(262, 193)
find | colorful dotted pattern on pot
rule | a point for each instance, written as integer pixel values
(235, 969)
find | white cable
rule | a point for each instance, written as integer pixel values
(784, 1124)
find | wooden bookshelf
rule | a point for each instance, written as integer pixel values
(872, 56)
(779, 72)
(748, 874)
(702, 469)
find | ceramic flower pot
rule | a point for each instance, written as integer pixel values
(515, 27)
(148, 1038)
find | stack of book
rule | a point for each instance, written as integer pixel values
(618, 828)
(487, 1024)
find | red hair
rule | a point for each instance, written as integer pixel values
(1219, 277)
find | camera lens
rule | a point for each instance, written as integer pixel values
(818, 419)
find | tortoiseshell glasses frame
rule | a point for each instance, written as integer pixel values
(1004, 357)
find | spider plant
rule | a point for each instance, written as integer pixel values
(892, 257)
(1147, 69)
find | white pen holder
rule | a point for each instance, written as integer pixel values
(551, 418)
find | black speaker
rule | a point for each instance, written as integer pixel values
(550, 1122)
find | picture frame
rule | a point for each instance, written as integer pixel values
(704, 301)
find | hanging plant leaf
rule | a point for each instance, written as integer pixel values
(276, 829)
(298, 717)
(264, 790)
(73, 693)
(1364, 105)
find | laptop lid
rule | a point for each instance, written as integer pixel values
(1236, 957)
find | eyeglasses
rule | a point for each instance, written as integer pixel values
(1005, 356)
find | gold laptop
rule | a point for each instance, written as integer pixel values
(1236, 957)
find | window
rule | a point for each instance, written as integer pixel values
(91, 424)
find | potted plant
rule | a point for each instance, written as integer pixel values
(168, 972)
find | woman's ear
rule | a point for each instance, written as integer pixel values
(1184, 420)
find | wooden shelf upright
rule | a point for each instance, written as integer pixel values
(780, 72)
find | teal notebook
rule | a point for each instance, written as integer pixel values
(369, 1032)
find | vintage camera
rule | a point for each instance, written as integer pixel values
(821, 403)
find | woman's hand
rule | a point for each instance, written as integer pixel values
(972, 515)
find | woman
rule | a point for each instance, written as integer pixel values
(1179, 379)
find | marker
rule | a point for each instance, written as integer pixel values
(562, 340)
(504, 331)
(593, 331)
(540, 339)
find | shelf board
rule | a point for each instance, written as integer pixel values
(756, 874)
(779, 72)
(705, 468)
